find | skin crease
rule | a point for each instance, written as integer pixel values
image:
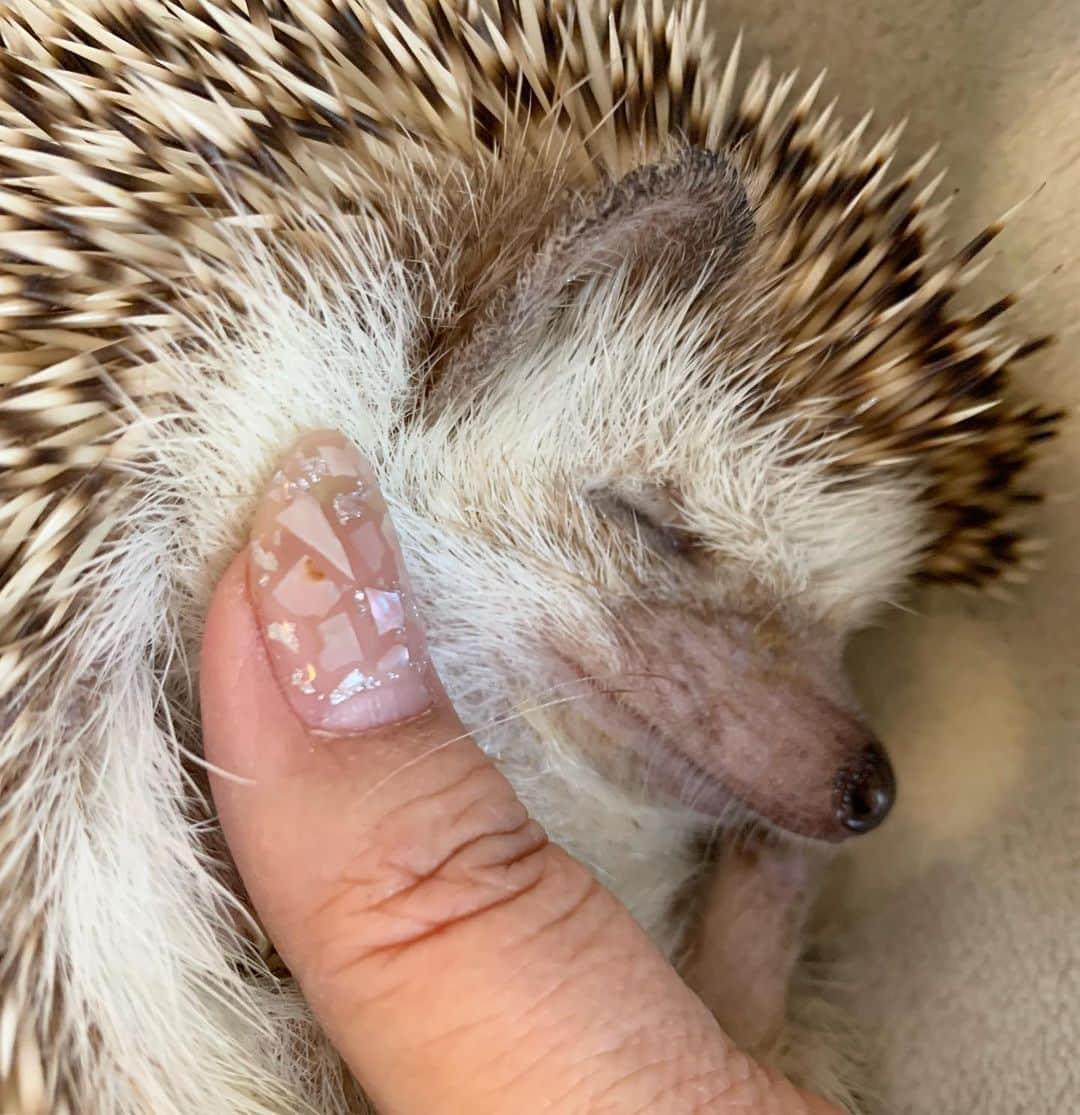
(456, 958)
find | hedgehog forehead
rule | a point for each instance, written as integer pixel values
(747, 523)
(629, 378)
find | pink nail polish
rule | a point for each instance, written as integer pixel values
(331, 594)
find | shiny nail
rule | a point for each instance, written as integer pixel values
(330, 590)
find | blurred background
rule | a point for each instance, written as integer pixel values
(962, 916)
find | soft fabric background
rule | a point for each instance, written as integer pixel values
(964, 911)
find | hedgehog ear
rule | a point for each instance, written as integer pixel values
(691, 209)
(674, 221)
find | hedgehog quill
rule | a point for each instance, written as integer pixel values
(666, 379)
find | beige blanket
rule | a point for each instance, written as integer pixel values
(965, 910)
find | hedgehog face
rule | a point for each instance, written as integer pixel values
(683, 577)
(688, 632)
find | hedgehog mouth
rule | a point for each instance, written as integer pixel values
(684, 772)
(665, 772)
(670, 774)
(857, 801)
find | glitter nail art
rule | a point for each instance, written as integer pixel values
(332, 595)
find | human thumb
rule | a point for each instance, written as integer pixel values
(457, 959)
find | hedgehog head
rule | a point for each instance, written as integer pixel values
(663, 544)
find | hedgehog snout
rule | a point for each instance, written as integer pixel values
(728, 711)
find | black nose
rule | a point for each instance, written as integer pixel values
(866, 790)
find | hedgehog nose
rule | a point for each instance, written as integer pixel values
(866, 791)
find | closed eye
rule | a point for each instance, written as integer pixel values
(651, 514)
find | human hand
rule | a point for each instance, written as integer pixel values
(457, 959)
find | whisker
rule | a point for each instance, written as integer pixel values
(519, 714)
(499, 722)
(585, 678)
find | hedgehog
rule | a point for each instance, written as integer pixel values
(666, 380)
